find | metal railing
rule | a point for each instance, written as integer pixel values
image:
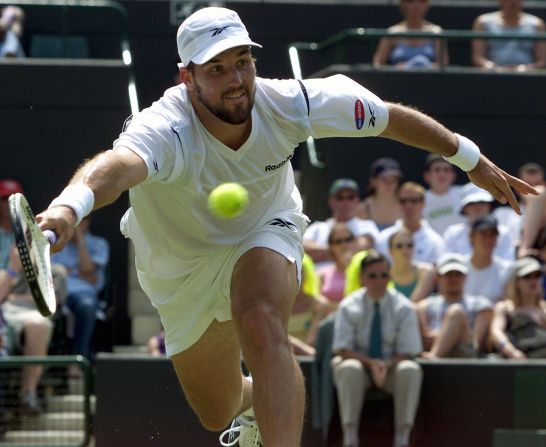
(374, 34)
(66, 417)
(65, 6)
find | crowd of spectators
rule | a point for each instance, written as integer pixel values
(473, 286)
(78, 277)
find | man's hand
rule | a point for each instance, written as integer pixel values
(378, 370)
(61, 220)
(490, 177)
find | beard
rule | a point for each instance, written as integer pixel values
(238, 116)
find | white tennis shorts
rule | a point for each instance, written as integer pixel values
(203, 295)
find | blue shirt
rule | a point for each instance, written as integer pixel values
(99, 251)
(11, 46)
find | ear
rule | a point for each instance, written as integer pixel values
(186, 77)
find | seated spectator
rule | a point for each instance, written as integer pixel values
(518, 329)
(534, 221)
(533, 174)
(487, 274)
(453, 324)
(375, 336)
(309, 309)
(156, 345)
(85, 258)
(405, 52)
(7, 188)
(541, 255)
(415, 280)
(442, 198)
(516, 55)
(332, 277)
(32, 331)
(426, 242)
(477, 202)
(10, 46)
(380, 204)
(343, 199)
(14, 17)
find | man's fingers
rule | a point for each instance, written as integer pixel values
(520, 185)
(507, 195)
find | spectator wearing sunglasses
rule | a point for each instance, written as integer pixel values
(376, 334)
(427, 244)
(415, 280)
(518, 329)
(404, 52)
(453, 324)
(442, 198)
(342, 245)
(343, 200)
(380, 203)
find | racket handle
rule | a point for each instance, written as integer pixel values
(51, 236)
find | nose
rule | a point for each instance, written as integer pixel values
(235, 77)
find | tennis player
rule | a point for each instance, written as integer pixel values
(226, 286)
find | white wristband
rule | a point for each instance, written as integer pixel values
(79, 197)
(467, 155)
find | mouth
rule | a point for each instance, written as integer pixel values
(235, 95)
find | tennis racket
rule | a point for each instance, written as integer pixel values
(33, 246)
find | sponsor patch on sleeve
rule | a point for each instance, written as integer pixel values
(360, 114)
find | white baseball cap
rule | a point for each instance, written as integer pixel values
(208, 32)
(451, 262)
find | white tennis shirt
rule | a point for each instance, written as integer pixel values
(169, 221)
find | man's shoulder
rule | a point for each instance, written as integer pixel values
(173, 108)
(399, 300)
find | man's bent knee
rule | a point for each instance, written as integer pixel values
(261, 328)
(215, 420)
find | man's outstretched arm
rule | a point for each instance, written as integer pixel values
(411, 127)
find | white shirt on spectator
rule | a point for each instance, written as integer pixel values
(490, 281)
(512, 220)
(457, 240)
(441, 211)
(428, 244)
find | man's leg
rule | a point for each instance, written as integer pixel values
(352, 381)
(210, 375)
(263, 287)
(454, 330)
(404, 383)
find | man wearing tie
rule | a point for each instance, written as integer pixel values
(376, 333)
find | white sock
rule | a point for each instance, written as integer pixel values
(402, 435)
(350, 435)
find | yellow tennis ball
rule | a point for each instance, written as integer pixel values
(228, 200)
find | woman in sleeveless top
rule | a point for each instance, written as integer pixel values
(381, 203)
(407, 52)
(414, 280)
(512, 55)
(518, 329)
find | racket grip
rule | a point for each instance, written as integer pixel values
(51, 236)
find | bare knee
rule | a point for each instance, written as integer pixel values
(261, 328)
(456, 313)
(216, 419)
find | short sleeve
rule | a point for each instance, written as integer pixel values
(151, 137)
(344, 331)
(340, 107)
(409, 336)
